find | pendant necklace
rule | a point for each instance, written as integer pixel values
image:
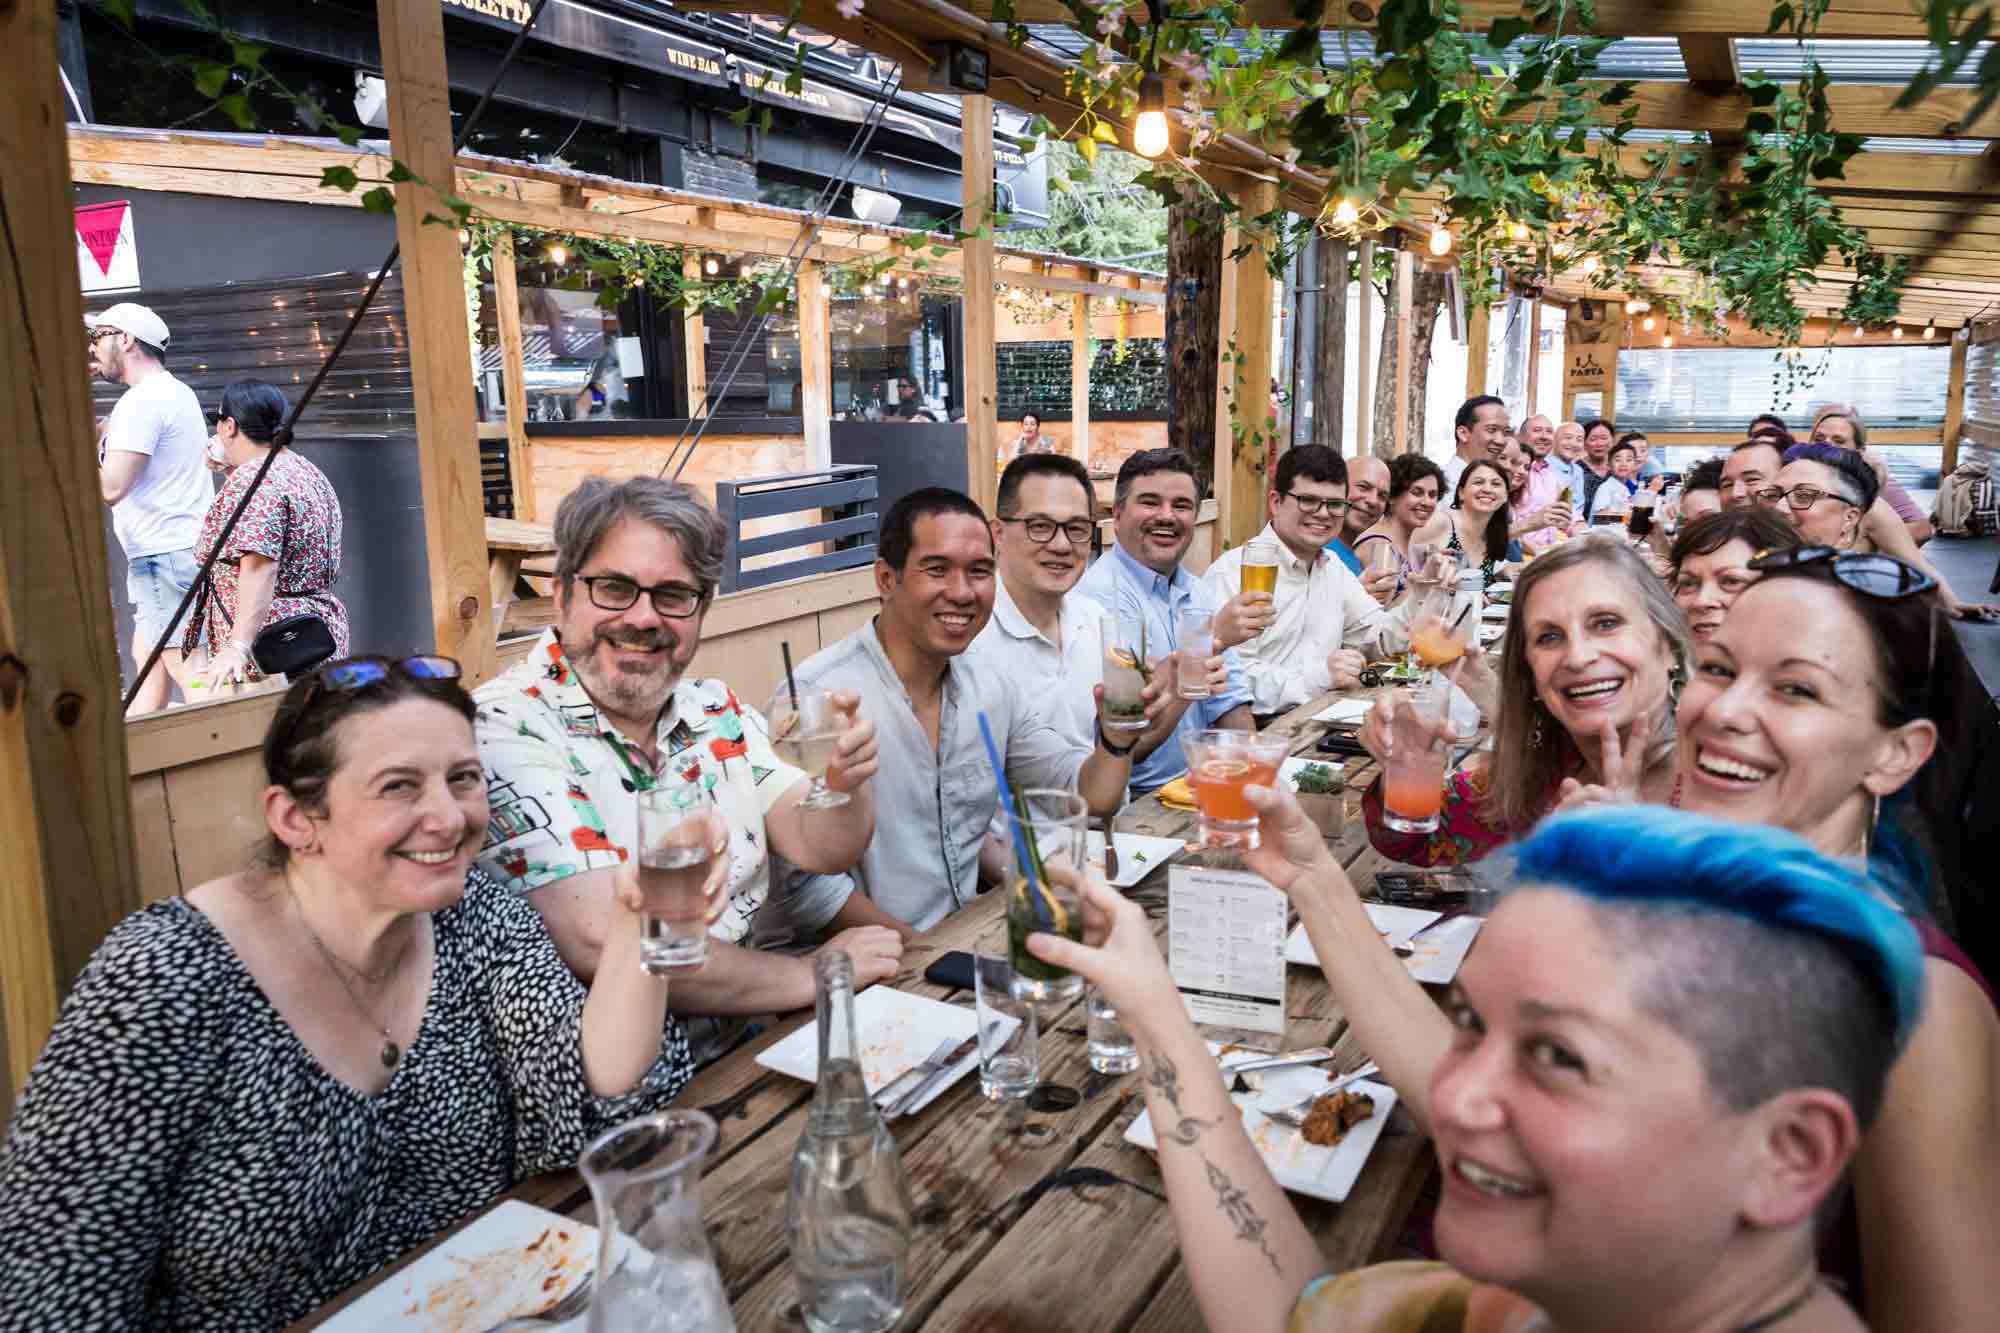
(392, 1054)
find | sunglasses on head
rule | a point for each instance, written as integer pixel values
(358, 673)
(1879, 576)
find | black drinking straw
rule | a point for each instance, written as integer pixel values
(1461, 616)
(791, 686)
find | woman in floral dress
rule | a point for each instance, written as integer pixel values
(284, 554)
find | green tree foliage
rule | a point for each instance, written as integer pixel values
(1099, 210)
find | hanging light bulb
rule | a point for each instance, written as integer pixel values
(1930, 330)
(1589, 265)
(1517, 231)
(1896, 332)
(464, 239)
(902, 284)
(1648, 323)
(557, 255)
(1666, 340)
(711, 266)
(1633, 307)
(888, 278)
(1440, 242)
(1345, 213)
(1149, 131)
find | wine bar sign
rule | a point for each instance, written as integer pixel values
(107, 249)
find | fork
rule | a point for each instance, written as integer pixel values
(1110, 852)
(916, 1074)
(574, 1302)
(1295, 1116)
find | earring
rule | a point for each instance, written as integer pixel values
(1535, 736)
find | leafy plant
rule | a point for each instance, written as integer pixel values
(1318, 780)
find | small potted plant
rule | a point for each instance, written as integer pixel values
(1319, 788)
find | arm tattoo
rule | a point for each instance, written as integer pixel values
(1234, 1203)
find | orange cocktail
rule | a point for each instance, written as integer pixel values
(1435, 644)
(1220, 765)
(1413, 773)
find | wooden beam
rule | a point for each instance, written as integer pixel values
(440, 347)
(1406, 283)
(1534, 356)
(1954, 402)
(68, 874)
(1250, 380)
(694, 344)
(1478, 324)
(1329, 379)
(1079, 379)
(513, 376)
(1224, 486)
(1858, 108)
(982, 373)
(1905, 175)
(1364, 362)
(816, 365)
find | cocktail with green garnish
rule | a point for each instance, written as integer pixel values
(1045, 886)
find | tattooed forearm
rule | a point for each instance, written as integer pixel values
(1164, 1078)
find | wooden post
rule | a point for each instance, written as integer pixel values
(1954, 401)
(1365, 360)
(1079, 377)
(513, 377)
(694, 344)
(1223, 476)
(1534, 355)
(1250, 379)
(1329, 393)
(815, 365)
(68, 873)
(1406, 282)
(1197, 310)
(982, 370)
(440, 349)
(1478, 323)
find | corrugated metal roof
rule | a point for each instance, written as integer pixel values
(1874, 145)
(1629, 58)
(1846, 60)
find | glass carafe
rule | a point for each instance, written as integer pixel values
(655, 1271)
(848, 1218)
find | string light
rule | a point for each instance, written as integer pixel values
(1666, 339)
(1896, 332)
(1345, 214)
(1648, 323)
(1517, 231)
(1440, 241)
(557, 255)
(1930, 330)
(1589, 265)
(1633, 307)
(1149, 131)
(711, 266)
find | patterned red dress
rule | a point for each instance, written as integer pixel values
(294, 519)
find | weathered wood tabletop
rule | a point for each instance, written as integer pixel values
(1025, 1220)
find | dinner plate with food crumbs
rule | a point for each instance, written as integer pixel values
(511, 1261)
(1320, 1171)
(1138, 855)
(897, 1031)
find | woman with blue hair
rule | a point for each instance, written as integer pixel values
(1647, 1082)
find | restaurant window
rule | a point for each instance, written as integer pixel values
(579, 360)
(882, 334)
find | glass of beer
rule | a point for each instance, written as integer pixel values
(680, 828)
(804, 732)
(1413, 774)
(1260, 566)
(1220, 765)
(1195, 644)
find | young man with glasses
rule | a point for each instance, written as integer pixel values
(1325, 625)
(602, 708)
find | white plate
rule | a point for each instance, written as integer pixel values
(1322, 1173)
(1492, 633)
(1493, 613)
(896, 1029)
(1138, 855)
(1438, 954)
(1500, 588)
(1290, 769)
(488, 1272)
(1344, 711)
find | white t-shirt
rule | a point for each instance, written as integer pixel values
(161, 418)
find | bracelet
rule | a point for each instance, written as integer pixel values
(1111, 749)
(240, 647)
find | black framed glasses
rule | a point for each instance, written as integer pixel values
(1041, 529)
(1805, 497)
(1312, 504)
(615, 592)
(1872, 575)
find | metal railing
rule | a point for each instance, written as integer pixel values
(846, 496)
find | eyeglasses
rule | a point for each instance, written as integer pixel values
(216, 419)
(1041, 529)
(1879, 576)
(1310, 505)
(613, 592)
(91, 336)
(1805, 497)
(1769, 496)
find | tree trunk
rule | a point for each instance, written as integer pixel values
(1329, 379)
(1194, 331)
(1427, 298)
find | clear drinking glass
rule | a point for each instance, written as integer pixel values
(848, 1217)
(1220, 765)
(1413, 774)
(1009, 1031)
(655, 1270)
(1112, 1050)
(1129, 664)
(1260, 566)
(1046, 894)
(1195, 643)
(804, 734)
(679, 829)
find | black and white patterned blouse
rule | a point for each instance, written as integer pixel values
(179, 1160)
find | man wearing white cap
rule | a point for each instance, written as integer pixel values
(152, 470)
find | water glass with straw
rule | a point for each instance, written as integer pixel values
(1044, 885)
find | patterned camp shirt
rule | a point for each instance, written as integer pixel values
(562, 782)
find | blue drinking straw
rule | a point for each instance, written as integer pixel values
(1014, 829)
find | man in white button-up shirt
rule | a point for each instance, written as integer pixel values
(1326, 626)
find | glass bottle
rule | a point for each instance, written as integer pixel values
(656, 1272)
(848, 1217)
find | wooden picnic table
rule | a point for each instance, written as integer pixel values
(510, 543)
(1025, 1220)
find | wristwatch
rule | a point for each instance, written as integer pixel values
(1114, 751)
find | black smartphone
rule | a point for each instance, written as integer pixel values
(1342, 743)
(953, 969)
(1417, 886)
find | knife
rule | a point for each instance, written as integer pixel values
(939, 1071)
(910, 1077)
(1311, 1056)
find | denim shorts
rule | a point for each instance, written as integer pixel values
(156, 584)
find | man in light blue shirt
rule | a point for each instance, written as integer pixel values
(1153, 512)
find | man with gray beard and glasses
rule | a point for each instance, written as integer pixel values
(601, 710)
